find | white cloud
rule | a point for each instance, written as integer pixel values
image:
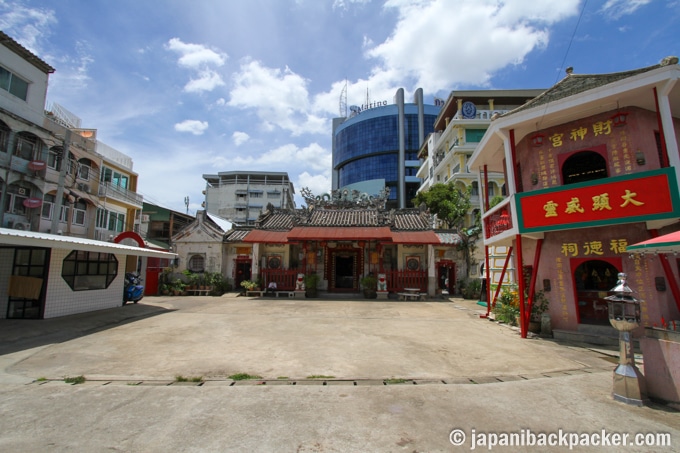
(615, 9)
(192, 126)
(278, 97)
(421, 47)
(240, 138)
(313, 156)
(196, 56)
(201, 60)
(344, 4)
(318, 183)
(207, 81)
(28, 26)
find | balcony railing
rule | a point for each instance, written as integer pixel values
(106, 189)
(498, 221)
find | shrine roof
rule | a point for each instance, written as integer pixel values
(574, 84)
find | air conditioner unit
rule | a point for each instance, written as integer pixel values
(145, 218)
(26, 226)
(84, 187)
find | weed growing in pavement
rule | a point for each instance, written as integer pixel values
(75, 380)
(395, 381)
(319, 376)
(41, 379)
(244, 376)
(180, 378)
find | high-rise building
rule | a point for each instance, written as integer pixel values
(241, 196)
(377, 147)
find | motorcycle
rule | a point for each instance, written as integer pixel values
(133, 290)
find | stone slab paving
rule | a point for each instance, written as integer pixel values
(404, 376)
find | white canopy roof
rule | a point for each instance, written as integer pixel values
(35, 239)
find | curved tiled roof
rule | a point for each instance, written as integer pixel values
(574, 84)
(343, 217)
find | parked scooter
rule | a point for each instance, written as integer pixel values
(134, 290)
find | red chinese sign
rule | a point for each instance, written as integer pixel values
(631, 198)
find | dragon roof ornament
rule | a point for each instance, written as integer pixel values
(345, 199)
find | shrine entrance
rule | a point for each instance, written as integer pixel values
(594, 279)
(346, 265)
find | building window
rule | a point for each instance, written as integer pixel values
(255, 194)
(47, 207)
(475, 189)
(54, 157)
(13, 83)
(26, 146)
(584, 166)
(196, 263)
(79, 211)
(47, 210)
(4, 137)
(110, 220)
(83, 172)
(15, 199)
(115, 178)
(84, 271)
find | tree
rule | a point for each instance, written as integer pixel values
(452, 206)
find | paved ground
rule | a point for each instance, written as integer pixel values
(335, 375)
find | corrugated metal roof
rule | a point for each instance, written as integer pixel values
(35, 239)
(224, 224)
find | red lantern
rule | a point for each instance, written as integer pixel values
(537, 139)
(619, 119)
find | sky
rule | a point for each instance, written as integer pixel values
(188, 88)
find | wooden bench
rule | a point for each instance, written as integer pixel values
(265, 293)
(200, 292)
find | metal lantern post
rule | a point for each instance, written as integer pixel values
(624, 315)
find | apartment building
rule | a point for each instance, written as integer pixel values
(241, 196)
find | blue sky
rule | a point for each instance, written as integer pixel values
(188, 88)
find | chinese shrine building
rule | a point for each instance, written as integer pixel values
(345, 236)
(591, 167)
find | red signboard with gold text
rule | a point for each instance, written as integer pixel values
(640, 197)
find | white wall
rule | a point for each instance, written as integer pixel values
(62, 301)
(33, 109)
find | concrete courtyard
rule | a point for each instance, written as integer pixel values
(334, 375)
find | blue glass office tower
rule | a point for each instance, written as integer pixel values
(381, 143)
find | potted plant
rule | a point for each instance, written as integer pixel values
(249, 285)
(507, 306)
(538, 308)
(178, 287)
(312, 285)
(369, 283)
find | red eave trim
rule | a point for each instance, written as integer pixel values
(415, 237)
(262, 236)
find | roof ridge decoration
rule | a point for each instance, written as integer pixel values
(573, 84)
(345, 199)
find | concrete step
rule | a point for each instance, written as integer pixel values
(592, 336)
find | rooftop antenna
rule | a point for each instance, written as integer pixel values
(186, 203)
(343, 101)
